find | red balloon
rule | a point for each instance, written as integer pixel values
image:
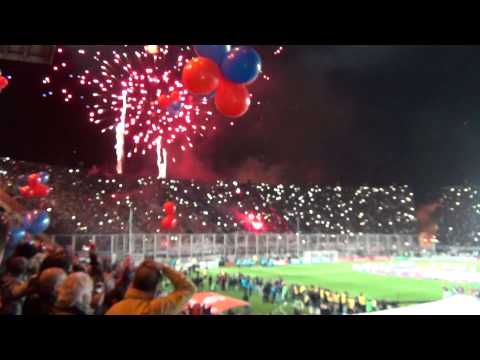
(201, 76)
(34, 179)
(168, 222)
(174, 96)
(26, 191)
(3, 82)
(232, 100)
(41, 190)
(170, 208)
(163, 101)
(190, 99)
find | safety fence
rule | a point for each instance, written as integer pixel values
(237, 245)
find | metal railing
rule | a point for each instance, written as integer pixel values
(237, 245)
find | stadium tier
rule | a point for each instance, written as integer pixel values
(83, 203)
(458, 222)
(86, 203)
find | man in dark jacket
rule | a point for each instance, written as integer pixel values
(56, 260)
(13, 286)
(122, 279)
(26, 250)
(223, 281)
(42, 300)
(266, 291)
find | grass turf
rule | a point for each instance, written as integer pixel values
(341, 277)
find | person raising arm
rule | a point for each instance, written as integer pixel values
(141, 299)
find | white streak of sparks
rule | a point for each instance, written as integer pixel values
(161, 159)
(120, 134)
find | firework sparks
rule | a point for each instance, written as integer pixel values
(141, 74)
(161, 159)
(278, 50)
(151, 49)
(120, 134)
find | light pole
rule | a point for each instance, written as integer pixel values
(130, 226)
(298, 237)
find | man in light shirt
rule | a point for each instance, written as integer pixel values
(141, 299)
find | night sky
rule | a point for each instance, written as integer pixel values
(345, 115)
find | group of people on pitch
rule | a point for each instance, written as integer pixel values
(312, 300)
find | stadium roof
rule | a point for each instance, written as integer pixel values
(37, 54)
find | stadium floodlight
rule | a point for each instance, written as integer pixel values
(36, 54)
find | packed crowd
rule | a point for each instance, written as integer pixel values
(81, 202)
(459, 217)
(39, 280)
(305, 300)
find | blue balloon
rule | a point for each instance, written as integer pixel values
(17, 235)
(175, 107)
(22, 181)
(44, 177)
(40, 223)
(27, 220)
(242, 65)
(217, 53)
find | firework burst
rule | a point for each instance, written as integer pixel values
(121, 88)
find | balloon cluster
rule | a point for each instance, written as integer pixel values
(34, 222)
(169, 221)
(34, 185)
(225, 72)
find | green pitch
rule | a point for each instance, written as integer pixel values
(341, 277)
